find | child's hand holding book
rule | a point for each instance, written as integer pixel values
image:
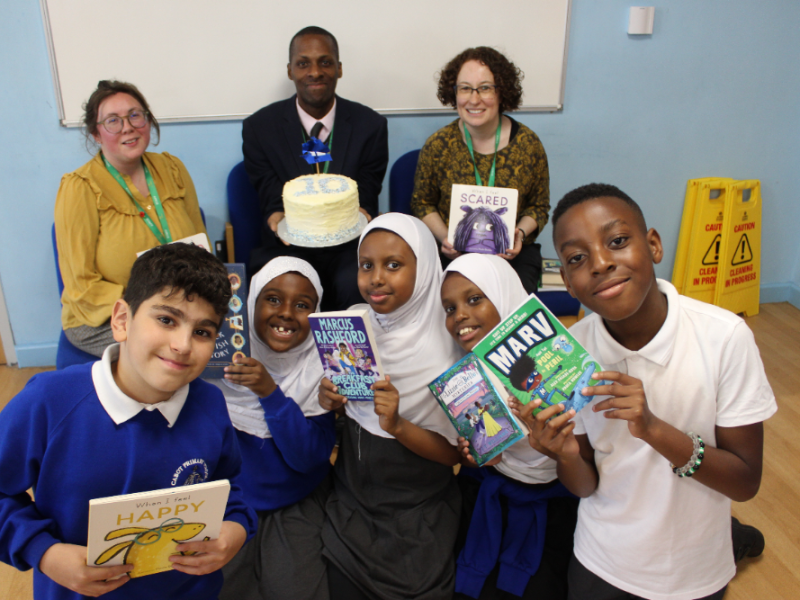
(387, 404)
(210, 555)
(329, 396)
(467, 459)
(627, 401)
(66, 565)
(251, 374)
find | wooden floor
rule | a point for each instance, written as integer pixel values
(774, 575)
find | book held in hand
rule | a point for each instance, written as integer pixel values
(143, 529)
(534, 356)
(482, 219)
(348, 351)
(233, 339)
(476, 409)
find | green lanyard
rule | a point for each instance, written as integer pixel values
(472, 153)
(166, 238)
(329, 143)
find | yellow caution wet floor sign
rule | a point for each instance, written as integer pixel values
(719, 248)
(740, 250)
(699, 244)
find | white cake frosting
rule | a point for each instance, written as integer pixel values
(322, 209)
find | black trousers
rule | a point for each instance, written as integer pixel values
(585, 585)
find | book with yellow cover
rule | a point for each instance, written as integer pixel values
(143, 529)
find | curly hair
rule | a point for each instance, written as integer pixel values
(105, 89)
(521, 370)
(592, 191)
(507, 77)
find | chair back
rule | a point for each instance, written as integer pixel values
(244, 212)
(401, 182)
(67, 354)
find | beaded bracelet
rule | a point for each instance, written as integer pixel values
(698, 451)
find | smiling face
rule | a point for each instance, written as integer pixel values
(474, 110)
(126, 147)
(469, 314)
(165, 345)
(387, 271)
(315, 70)
(282, 309)
(608, 259)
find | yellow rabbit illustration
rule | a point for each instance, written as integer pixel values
(149, 550)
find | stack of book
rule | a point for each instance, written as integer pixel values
(551, 275)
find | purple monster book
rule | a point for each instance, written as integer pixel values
(348, 351)
(482, 219)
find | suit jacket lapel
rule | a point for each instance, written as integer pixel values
(292, 132)
(341, 136)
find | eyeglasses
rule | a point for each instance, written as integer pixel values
(484, 91)
(114, 124)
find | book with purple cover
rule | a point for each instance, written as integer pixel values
(348, 351)
(482, 219)
(233, 339)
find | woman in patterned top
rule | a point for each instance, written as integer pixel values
(481, 84)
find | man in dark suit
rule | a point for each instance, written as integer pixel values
(272, 140)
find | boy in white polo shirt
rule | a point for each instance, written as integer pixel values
(673, 434)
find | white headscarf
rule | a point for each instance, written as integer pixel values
(297, 371)
(498, 280)
(413, 343)
(495, 277)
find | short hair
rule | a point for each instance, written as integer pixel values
(507, 77)
(524, 366)
(183, 268)
(590, 192)
(105, 89)
(314, 30)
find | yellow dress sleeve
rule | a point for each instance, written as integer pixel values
(87, 297)
(191, 203)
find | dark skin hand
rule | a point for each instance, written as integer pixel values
(468, 461)
(732, 468)
(253, 375)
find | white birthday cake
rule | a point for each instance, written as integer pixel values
(321, 209)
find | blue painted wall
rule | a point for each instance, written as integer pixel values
(713, 92)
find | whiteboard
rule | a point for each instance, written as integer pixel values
(198, 60)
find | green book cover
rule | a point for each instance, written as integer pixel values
(475, 408)
(534, 356)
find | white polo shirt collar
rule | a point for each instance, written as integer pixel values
(659, 349)
(121, 407)
(308, 122)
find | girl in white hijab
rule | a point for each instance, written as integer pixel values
(393, 514)
(478, 292)
(285, 436)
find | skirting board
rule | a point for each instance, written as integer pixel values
(44, 355)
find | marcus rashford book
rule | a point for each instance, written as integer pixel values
(143, 529)
(348, 351)
(476, 409)
(534, 356)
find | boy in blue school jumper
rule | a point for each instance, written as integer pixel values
(675, 430)
(137, 420)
